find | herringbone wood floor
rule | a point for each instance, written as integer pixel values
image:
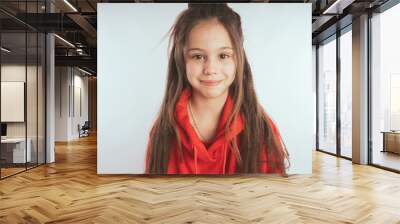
(70, 191)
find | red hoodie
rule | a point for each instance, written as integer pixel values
(216, 157)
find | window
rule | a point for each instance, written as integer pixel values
(385, 88)
(346, 94)
(327, 96)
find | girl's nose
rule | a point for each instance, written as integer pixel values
(210, 67)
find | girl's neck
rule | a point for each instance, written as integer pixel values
(208, 106)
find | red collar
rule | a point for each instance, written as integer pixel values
(189, 134)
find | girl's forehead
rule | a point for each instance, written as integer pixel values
(209, 35)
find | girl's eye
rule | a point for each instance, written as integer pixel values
(224, 56)
(197, 57)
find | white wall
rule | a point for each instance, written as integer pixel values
(68, 81)
(61, 103)
(17, 72)
(132, 65)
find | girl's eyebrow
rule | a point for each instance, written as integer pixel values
(195, 49)
(199, 49)
(223, 48)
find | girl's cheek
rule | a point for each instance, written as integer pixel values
(230, 69)
(189, 67)
(192, 70)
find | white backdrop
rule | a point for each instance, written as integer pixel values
(132, 65)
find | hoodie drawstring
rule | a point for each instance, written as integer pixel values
(224, 163)
(195, 159)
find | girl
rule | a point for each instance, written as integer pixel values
(210, 121)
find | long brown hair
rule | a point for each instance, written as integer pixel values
(257, 130)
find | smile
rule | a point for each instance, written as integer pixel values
(210, 82)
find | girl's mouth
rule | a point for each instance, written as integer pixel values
(210, 82)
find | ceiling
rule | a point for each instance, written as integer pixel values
(76, 22)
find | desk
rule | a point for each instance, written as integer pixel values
(391, 141)
(17, 151)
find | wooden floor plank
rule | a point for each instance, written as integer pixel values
(70, 191)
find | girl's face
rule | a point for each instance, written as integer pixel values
(210, 59)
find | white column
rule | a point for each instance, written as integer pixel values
(50, 110)
(50, 92)
(360, 90)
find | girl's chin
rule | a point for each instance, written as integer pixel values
(211, 93)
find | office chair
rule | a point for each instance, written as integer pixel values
(84, 130)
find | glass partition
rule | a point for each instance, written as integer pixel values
(41, 107)
(22, 77)
(327, 96)
(32, 95)
(14, 153)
